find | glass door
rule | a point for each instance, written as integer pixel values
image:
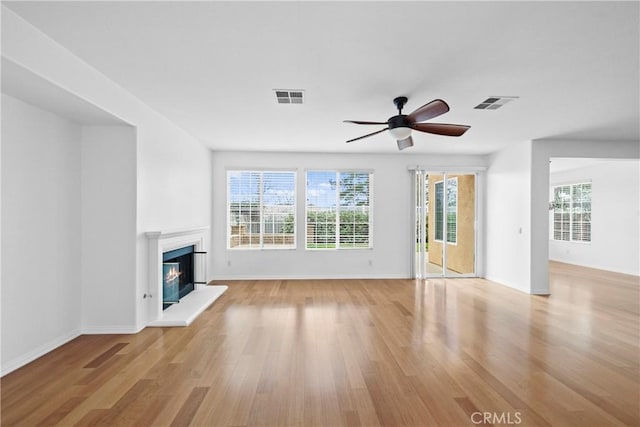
(445, 232)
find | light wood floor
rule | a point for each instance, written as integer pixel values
(358, 352)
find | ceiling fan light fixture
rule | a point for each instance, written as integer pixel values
(405, 143)
(399, 133)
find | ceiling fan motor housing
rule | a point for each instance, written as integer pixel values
(399, 121)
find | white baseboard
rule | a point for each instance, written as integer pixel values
(540, 292)
(222, 278)
(508, 284)
(40, 351)
(596, 266)
(111, 330)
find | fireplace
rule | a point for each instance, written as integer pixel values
(179, 256)
(178, 275)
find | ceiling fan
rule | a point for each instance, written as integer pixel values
(400, 125)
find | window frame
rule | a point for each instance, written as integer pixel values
(294, 192)
(338, 207)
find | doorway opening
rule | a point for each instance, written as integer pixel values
(445, 228)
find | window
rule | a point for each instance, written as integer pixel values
(261, 209)
(572, 212)
(452, 210)
(338, 210)
(561, 213)
(439, 215)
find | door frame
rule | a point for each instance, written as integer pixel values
(479, 177)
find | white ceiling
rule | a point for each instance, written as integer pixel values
(211, 67)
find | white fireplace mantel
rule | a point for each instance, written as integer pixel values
(189, 307)
(167, 234)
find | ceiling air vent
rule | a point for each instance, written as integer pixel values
(289, 96)
(494, 102)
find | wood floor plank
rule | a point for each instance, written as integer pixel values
(190, 407)
(357, 352)
(469, 408)
(61, 412)
(106, 355)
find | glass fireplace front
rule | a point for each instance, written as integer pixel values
(177, 275)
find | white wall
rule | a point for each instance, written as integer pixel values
(41, 231)
(108, 215)
(170, 184)
(615, 217)
(392, 213)
(173, 169)
(508, 217)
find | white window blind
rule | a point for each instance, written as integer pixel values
(572, 212)
(261, 209)
(338, 210)
(581, 212)
(562, 213)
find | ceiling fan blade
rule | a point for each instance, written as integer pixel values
(360, 122)
(441, 128)
(365, 136)
(428, 111)
(405, 143)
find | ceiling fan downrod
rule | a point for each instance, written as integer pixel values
(399, 103)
